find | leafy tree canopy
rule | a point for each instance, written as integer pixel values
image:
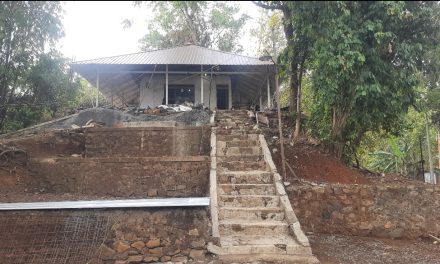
(35, 83)
(203, 23)
(269, 32)
(368, 64)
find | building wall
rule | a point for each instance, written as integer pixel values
(154, 95)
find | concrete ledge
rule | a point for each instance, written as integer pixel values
(213, 186)
(99, 204)
(120, 159)
(300, 236)
(113, 129)
(144, 124)
(267, 154)
(291, 218)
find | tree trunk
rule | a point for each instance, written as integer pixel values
(337, 136)
(4, 82)
(288, 32)
(293, 90)
(298, 109)
(298, 102)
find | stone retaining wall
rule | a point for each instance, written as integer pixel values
(153, 235)
(391, 211)
(147, 141)
(126, 177)
(131, 236)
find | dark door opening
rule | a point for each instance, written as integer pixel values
(222, 97)
(179, 94)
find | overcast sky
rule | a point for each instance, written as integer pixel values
(94, 29)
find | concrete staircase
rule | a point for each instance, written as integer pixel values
(255, 220)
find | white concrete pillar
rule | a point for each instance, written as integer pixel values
(166, 84)
(97, 87)
(201, 84)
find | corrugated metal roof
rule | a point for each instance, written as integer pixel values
(191, 54)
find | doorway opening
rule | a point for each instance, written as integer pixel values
(222, 97)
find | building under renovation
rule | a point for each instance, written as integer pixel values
(192, 74)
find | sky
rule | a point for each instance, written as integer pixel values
(94, 29)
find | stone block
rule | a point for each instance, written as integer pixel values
(165, 258)
(153, 243)
(149, 259)
(197, 254)
(198, 244)
(135, 259)
(120, 246)
(179, 259)
(139, 245)
(193, 232)
(158, 252)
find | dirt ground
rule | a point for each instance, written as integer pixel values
(338, 249)
(313, 164)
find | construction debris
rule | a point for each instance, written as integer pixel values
(175, 108)
(97, 117)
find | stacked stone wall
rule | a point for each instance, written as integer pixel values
(389, 211)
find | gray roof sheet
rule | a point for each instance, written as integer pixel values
(190, 54)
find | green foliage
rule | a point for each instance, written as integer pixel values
(35, 84)
(400, 152)
(269, 33)
(47, 91)
(207, 24)
(27, 28)
(367, 59)
(391, 160)
(433, 104)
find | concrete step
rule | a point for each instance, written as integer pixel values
(221, 145)
(237, 137)
(242, 143)
(249, 200)
(266, 258)
(243, 158)
(251, 214)
(245, 177)
(281, 241)
(233, 132)
(247, 189)
(234, 127)
(259, 228)
(240, 165)
(238, 151)
(233, 124)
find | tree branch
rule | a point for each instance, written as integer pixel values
(270, 7)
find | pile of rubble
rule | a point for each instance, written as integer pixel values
(109, 117)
